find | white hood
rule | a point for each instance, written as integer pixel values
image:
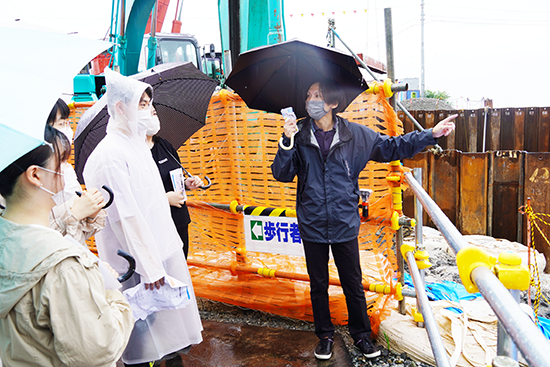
(126, 93)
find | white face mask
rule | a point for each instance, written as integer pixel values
(57, 197)
(68, 133)
(71, 185)
(154, 126)
(144, 118)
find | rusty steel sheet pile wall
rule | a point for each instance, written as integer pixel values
(525, 129)
(235, 149)
(537, 188)
(482, 193)
(483, 196)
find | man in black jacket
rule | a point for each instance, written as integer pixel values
(328, 156)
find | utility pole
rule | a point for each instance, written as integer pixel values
(422, 86)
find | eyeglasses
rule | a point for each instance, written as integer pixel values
(61, 123)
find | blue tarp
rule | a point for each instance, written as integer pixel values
(544, 326)
(452, 291)
(447, 290)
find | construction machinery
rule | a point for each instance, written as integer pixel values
(244, 24)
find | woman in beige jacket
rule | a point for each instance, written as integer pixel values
(79, 217)
(54, 308)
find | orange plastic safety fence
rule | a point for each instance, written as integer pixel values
(215, 235)
(77, 110)
(235, 149)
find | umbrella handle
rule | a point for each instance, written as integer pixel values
(131, 266)
(109, 191)
(111, 196)
(208, 185)
(291, 145)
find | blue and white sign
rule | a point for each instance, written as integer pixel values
(275, 235)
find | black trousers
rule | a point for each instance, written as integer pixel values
(346, 258)
(183, 231)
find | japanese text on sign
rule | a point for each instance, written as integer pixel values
(276, 235)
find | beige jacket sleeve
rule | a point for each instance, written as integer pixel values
(91, 326)
(63, 221)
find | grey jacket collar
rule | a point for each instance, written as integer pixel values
(305, 135)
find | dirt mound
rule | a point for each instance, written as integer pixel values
(426, 104)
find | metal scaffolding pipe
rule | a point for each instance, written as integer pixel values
(505, 344)
(442, 222)
(400, 266)
(389, 50)
(402, 87)
(438, 348)
(267, 272)
(418, 215)
(418, 234)
(527, 337)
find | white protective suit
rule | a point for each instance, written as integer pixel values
(139, 222)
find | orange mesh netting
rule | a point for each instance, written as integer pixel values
(235, 150)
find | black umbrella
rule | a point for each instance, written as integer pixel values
(181, 97)
(271, 78)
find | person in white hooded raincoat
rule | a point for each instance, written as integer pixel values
(139, 221)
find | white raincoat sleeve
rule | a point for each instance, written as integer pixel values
(126, 218)
(91, 326)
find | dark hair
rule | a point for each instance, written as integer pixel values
(61, 145)
(333, 93)
(149, 92)
(39, 156)
(63, 109)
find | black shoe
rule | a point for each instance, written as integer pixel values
(324, 349)
(367, 348)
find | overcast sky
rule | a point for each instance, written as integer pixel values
(474, 49)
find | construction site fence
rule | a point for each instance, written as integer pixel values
(525, 334)
(235, 149)
(488, 129)
(481, 192)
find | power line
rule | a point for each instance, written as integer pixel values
(515, 11)
(495, 22)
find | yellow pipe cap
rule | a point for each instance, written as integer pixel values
(469, 258)
(511, 272)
